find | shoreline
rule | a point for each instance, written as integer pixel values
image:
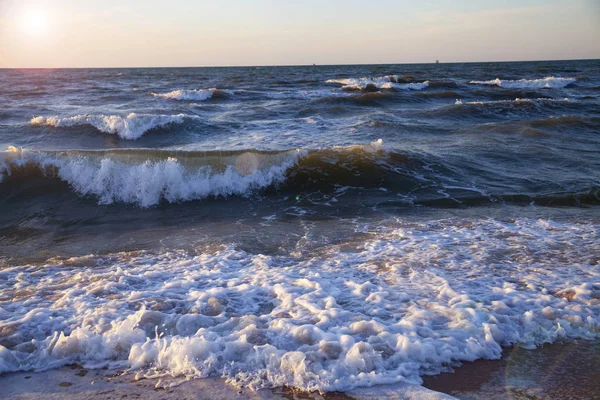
(74, 382)
(552, 371)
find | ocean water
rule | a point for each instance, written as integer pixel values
(320, 227)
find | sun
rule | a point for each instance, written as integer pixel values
(34, 22)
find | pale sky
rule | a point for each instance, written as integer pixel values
(146, 33)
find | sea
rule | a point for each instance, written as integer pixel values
(323, 228)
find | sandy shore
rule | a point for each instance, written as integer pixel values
(75, 383)
(557, 371)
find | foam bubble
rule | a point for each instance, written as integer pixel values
(133, 126)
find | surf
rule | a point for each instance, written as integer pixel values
(194, 95)
(549, 82)
(384, 82)
(130, 127)
(413, 299)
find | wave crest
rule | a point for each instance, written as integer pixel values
(131, 127)
(383, 82)
(195, 95)
(515, 101)
(549, 82)
(122, 178)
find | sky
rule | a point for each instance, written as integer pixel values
(159, 33)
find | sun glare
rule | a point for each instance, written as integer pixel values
(34, 22)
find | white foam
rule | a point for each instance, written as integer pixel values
(413, 299)
(196, 95)
(133, 126)
(148, 183)
(406, 86)
(548, 82)
(382, 82)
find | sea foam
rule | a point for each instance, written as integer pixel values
(133, 126)
(548, 82)
(195, 95)
(383, 82)
(414, 299)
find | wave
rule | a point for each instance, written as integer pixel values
(296, 94)
(413, 299)
(147, 177)
(511, 102)
(568, 120)
(548, 82)
(366, 98)
(131, 127)
(406, 86)
(443, 84)
(439, 95)
(383, 82)
(586, 197)
(195, 95)
(470, 110)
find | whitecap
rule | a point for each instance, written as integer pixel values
(515, 101)
(194, 95)
(548, 82)
(132, 126)
(382, 82)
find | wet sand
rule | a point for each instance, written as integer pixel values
(559, 371)
(77, 383)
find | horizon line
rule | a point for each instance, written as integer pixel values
(309, 65)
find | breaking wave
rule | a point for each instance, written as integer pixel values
(147, 177)
(548, 82)
(517, 103)
(195, 95)
(384, 82)
(131, 127)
